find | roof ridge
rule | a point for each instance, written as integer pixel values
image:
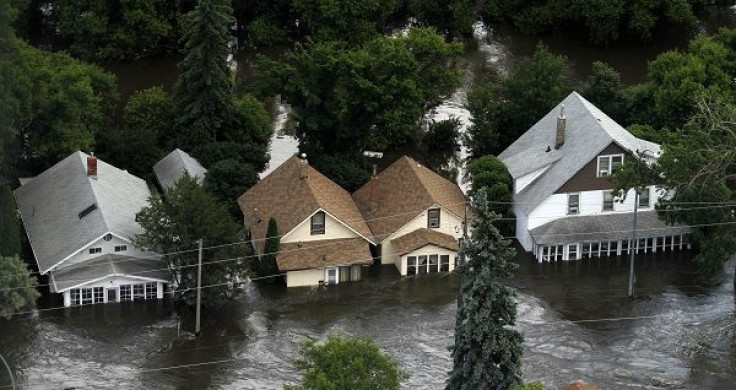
(415, 166)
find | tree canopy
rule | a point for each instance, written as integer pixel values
(176, 223)
(347, 363)
(10, 239)
(17, 286)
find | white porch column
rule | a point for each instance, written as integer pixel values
(67, 299)
(159, 290)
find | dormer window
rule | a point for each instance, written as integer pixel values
(318, 223)
(433, 218)
(607, 163)
(573, 204)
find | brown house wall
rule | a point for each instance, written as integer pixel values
(586, 180)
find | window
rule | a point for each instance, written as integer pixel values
(121, 248)
(434, 263)
(411, 266)
(586, 250)
(644, 198)
(433, 218)
(624, 246)
(614, 248)
(559, 255)
(607, 163)
(594, 248)
(86, 296)
(422, 266)
(76, 298)
(151, 292)
(444, 263)
(98, 293)
(93, 251)
(604, 248)
(318, 223)
(572, 251)
(607, 201)
(573, 204)
(138, 292)
(126, 293)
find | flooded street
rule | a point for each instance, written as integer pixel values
(680, 333)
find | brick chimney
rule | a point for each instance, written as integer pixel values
(561, 124)
(304, 169)
(92, 166)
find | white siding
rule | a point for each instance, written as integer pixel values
(449, 224)
(427, 250)
(310, 277)
(591, 203)
(333, 230)
(522, 229)
(115, 283)
(108, 247)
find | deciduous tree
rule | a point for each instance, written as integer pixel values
(17, 286)
(9, 223)
(174, 224)
(227, 180)
(488, 350)
(347, 363)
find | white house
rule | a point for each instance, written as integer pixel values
(323, 236)
(415, 215)
(562, 197)
(172, 167)
(79, 216)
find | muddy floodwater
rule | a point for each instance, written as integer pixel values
(578, 324)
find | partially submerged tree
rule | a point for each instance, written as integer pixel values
(17, 286)
(488, 350)
(176, 223)
(9, 224)
(227, 180)
(268, 265)
(347, 363)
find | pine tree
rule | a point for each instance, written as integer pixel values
(271, 250)
(9, 224)
(204, 92)
(487, 351)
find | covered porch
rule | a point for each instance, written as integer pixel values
(425, 251)
(326, 261)
(604, 235)
(111, 278)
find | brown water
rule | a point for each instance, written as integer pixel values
(680, 333)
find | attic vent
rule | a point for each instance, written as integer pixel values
(88, 210)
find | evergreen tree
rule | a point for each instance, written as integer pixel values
(9, 224)
(228, 179)
(487, 352)
(17, 286)
(268, 260)
(204, 92)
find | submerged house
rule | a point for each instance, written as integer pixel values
(323, 236)
(416, 217)
(172, 167)
(563, 199)
(79, 216)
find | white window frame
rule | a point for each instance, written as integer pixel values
(613, 201)
(314, 228)
(609, 168)
(430, 218)
(649, 199)
(95, 250)
(569, 251)
(327, 275)
(121, 248)
(569, 205)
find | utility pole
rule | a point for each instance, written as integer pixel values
(631, 247)
(12, 380)
(199, 290)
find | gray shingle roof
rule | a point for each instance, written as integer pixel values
(588, 132)
(602, 227)
(172, 167)
(109, 265)
(51, 203)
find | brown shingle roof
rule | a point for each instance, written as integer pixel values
(290, 200)
(401, 192)
(422, 237)
(324, 253)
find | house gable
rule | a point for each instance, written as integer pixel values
(585, 179)
(334, 229)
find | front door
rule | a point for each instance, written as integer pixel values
(332, 276)
(112, 294)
